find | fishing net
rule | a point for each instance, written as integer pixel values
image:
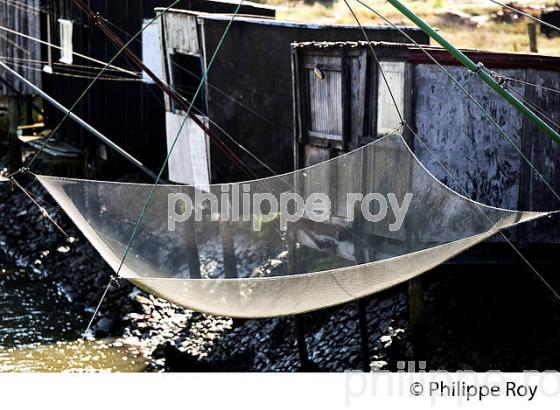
(317, 237)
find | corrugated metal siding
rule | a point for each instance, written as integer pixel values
(22, 16)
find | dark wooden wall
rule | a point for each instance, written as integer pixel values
(254, 67)
(129, 113)
(24, 17)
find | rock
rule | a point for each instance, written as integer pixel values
(103, 327)
(385, 339)
(378, 365)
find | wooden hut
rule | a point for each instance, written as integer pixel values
(487, 166)
(247, 92)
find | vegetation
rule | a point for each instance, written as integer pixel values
(467, 23)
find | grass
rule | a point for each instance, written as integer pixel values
(489, 35)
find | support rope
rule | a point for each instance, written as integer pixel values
(17, 33)
(516, 80)
(43, 211)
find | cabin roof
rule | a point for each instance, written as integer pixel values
(413, 54)
(271, 21)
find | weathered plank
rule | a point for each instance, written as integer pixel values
(544, 154)
(483, 162)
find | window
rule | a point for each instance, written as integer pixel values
(186, 72)
(388, 119)
(66, 51)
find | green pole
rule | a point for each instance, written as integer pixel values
(478, 69)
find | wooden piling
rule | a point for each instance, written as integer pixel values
(360, 255)
(417, 319)
(305, 363)
(193, 257)
(15, 146)
(532, 27)
(301, 344)
(364, 335)
(228, 250)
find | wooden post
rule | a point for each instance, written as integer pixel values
(301, 344)
(416, 317)
(14, 147)
(299, 330)
(228, 250)
(360, 255)
(532, 27)
(364, 335)
(193, 259)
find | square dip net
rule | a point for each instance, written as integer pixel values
(288, 244)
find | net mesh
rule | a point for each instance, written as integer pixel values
(288, 244)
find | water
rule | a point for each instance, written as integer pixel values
(40, 330)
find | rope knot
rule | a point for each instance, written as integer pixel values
(115, 281)
(500, 79)
(98, 19)
(478, 68)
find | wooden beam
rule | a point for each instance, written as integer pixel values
(15, 144)
(228, 250)
(417, 319)
(301, 344)
(532, 28)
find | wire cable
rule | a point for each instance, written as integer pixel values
(44, 212)
(516, 80)
(71, 73)
(20, 48)
(535, 107)
(85, 57)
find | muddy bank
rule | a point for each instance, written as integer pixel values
(498, 317)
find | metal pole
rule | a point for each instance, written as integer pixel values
(478, 69)
(81, 122)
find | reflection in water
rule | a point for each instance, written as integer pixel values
(40, 330)
(77, 356)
